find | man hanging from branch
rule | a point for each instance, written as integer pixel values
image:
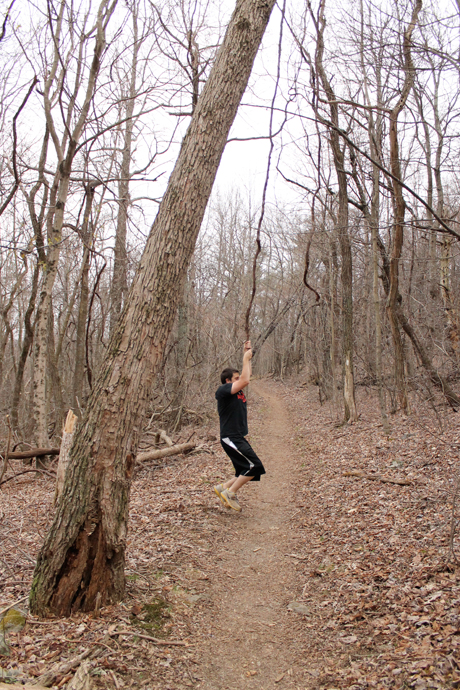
(231, 405)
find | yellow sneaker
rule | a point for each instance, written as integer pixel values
(218, 489)
(231, 500)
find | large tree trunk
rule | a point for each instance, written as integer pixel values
(84, 551)
(399, 213)
(80, 339)
(350, 410)
(54, 376)
(375, 132)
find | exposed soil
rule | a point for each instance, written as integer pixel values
(251, 642)
(325, 580)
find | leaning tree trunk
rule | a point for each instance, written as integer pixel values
(451, 396)
(84, 552)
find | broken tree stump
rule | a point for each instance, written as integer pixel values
(66, 443)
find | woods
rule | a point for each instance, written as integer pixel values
(175, 178)
(123, 292)
(88, 537)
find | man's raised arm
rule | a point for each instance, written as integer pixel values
(247, 368)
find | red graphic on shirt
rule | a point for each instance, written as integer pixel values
(240, 396)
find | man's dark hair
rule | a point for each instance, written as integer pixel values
(227, 374)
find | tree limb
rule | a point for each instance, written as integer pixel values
(165, 452)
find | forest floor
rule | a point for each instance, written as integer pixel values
(325, 580)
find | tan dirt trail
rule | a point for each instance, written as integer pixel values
(250, 629)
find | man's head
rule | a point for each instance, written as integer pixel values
(229, 375)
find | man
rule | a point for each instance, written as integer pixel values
(231, 405)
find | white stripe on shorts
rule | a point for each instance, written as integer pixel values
(230, 443)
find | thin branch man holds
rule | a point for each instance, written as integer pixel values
(231, 405)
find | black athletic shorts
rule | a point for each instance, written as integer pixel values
(244, 459)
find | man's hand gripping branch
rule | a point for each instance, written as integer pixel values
(245, 376)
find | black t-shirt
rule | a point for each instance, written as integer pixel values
(232, 411)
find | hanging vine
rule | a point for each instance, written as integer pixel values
(267, 177)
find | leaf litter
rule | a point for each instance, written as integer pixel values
(377, 597)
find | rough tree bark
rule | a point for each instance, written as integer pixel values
(83, 554)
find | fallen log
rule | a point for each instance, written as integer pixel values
(147, 455)
(165, 452)
(378, 478)
(32, 453)
(27, 686)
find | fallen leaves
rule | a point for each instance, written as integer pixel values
(379, 548)
(165, 534)
(377, 606)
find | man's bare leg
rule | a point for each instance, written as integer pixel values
(236, 483)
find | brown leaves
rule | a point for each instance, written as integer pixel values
(380, 608)
(379, 549)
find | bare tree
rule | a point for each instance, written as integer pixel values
(83, 555)
(338, 150)
(65, 149)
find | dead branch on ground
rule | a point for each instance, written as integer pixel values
(378, 478)
(34, 469)
(165, 643)
(165, 452)
(32, 453)
(61, 669)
